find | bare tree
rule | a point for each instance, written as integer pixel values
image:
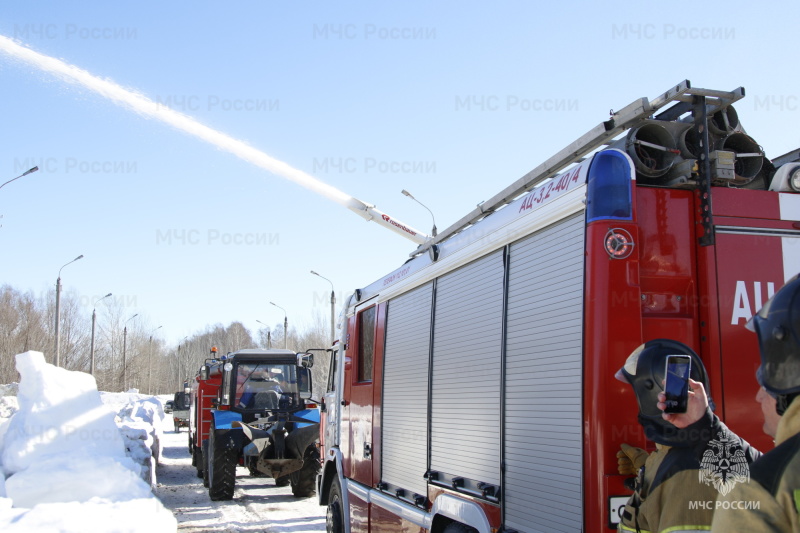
(27, 323)
(317, 337)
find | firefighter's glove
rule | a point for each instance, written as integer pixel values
(630, 459)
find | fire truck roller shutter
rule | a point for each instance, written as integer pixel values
(405, 390)
(543, 427)
(465, 396)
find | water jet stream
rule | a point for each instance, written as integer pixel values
(145, 106)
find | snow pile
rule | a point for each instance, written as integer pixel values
(8, 406)
(140, 420)
(64, 460)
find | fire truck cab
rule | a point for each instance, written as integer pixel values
(473, 386)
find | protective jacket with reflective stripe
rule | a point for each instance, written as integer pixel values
(672, 493)
(770, 500)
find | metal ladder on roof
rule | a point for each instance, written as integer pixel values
(682, 97)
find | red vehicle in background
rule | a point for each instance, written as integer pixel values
(204, 389)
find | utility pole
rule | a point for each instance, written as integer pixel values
(285, 325)
(150, 363)
(94, 320)
(333, 307)
(124, 348)
(57, 356)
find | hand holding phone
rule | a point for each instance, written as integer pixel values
(676, 386)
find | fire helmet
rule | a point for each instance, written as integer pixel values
(645, 371)
(777, 325)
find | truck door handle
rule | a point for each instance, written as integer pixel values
(367, 451)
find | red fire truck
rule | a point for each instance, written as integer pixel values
(204, 389)
(473, 387)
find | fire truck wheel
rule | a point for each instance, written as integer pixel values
(334, 521)
(197, 461)
(222, 461)
(304, 481)
(204, 462)
(458, 527)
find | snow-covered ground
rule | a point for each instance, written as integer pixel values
(73, 459)
(71, 462)
(257, 505)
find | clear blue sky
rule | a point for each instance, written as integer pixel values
(450, 100)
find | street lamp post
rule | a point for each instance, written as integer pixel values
(433, 231)
(94, 320)
(269, 335)
(182, 368)
(333, 307)
(57, 356)
(150, 362)
(285, 326)
(29, 171)
(124, 348)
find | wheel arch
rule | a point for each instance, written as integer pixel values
(447, 509)
(332, 470)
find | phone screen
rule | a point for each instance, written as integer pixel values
(676, 387)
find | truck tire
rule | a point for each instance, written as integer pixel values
(204, 462)
(458, 527)
(197, 461)
(334, 517)
(304, 481)
(223, 458)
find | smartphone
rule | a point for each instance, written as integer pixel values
(676, 386)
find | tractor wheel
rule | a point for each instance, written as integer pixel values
(204, 462)
(304, 481)
(251, 467)
(334, 518)
(223, 458)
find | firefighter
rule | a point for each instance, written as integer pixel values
(670, 479)
(769, 407)
(770, 500)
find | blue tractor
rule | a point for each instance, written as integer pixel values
(264, 420)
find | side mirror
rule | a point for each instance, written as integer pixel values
(305, 360)
(227, 369)
(304, 382)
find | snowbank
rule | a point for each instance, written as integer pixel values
(67, 466)
(140, 419)
(8, 406)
